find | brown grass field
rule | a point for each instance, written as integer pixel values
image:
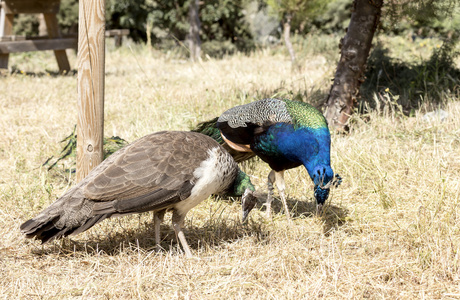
(391, 230)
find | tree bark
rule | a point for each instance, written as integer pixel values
(355, 48)
(287, 36)
(194, 31)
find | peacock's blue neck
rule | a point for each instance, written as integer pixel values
(319, 166)
(310, 147)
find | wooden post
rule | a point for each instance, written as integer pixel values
(6, 28)
(91, 60)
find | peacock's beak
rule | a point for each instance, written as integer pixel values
(322, 192)
(248, 201)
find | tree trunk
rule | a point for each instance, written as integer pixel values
(194, 31)
(355, 47)
(287, 36)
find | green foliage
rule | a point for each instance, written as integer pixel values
(129, 14)
(68, 16)
(424, 18)
(223, 27)
(111, 145)
(429, 80)
(227, 27)
(263, 25)
(223, 21)
(302, 11)
(334, 18)
(26, 25)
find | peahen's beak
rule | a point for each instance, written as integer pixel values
(248, 201)
(319, 209)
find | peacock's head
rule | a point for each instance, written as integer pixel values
(323, 178)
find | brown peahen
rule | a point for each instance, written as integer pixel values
(169, 170)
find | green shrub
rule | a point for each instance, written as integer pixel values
(26, 25)
(223, 25)
(429, 80)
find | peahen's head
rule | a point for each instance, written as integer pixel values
(323, 178)
(243, 187)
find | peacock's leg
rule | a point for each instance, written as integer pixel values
(268, 203)
(281, 186)
(177, 223)
(158, 217)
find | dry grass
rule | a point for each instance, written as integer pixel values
(390, 231)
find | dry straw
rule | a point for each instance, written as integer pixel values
(390, 231)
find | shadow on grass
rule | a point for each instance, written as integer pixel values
(411, 83)
(332, 215)
(213, 233)
(16, 71)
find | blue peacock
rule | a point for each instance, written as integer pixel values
(283, 133)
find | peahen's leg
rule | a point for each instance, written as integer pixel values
(268, 203)
(177, 223)
(158, 217)
(281, 186)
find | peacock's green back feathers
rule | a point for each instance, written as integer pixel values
(304, 114)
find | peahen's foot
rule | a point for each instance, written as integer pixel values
(268, 211)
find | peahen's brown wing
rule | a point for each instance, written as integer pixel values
(154, 171)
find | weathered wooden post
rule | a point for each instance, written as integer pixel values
(91, 69)
(6, 28)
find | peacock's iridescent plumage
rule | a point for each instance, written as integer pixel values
(283, 133)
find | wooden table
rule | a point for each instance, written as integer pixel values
(11, 44)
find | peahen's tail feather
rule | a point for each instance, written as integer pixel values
(60, 220)
(43, 230)
(210, 129)
(47, 230)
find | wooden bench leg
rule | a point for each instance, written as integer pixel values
(6, 28)
(53, 32)
(118, 40)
